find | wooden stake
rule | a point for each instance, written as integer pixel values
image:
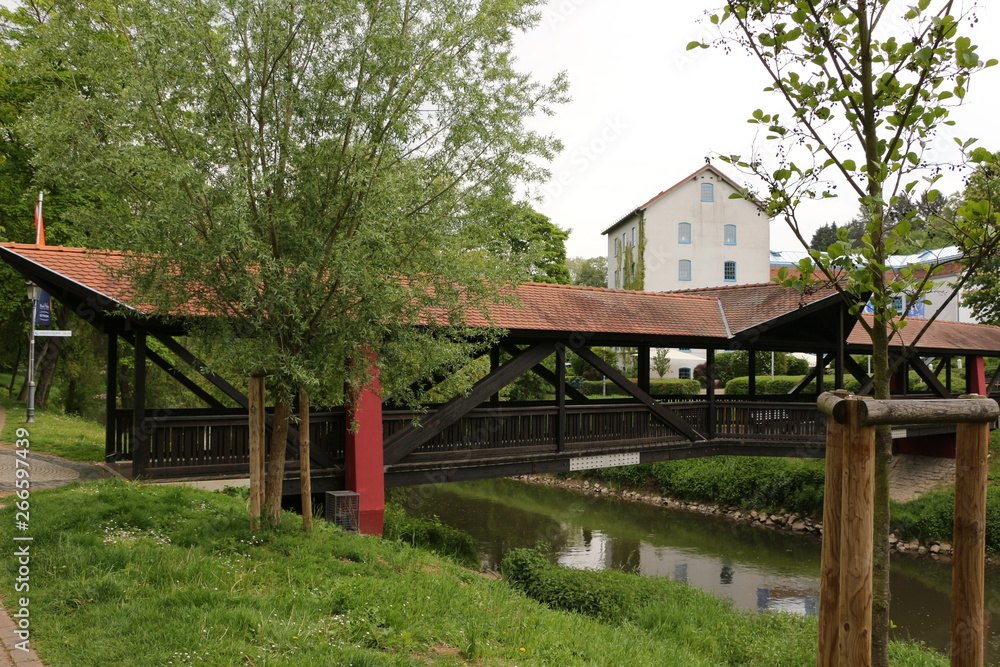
(828, 652)
(857, 539)
(968, 595)
(305, 474)
(255, 406)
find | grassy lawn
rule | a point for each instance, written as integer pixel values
(150, 575)
(55, 433)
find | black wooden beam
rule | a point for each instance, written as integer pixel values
(176, 374)
(993, 380)
(399, 445)
(561, 397)
(111, 400)
(859, 373)
(658, 410)
(821, 361)
(927, 375)
(547, 375)
(185, 355)
(642, 367)
(140, 431)
(752, 372)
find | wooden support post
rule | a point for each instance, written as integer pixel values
(857, 539)
(561, 397)
(494, 365)
(140, 430)
(947, 375)
(364, 453)
(968, 595)
(257, 440)
(305, 465)
(752, 372)
(828, 652)
(821, 362)
(111, 400)
(710, 376)
(642, 367)
(838, 373)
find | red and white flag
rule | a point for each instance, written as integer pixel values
(39, 222)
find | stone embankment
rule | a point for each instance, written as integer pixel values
(787, 522)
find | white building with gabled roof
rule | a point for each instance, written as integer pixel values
(691, 235)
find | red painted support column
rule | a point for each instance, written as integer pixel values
(363, 450)
(975, 375)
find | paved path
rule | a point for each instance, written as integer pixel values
(47, 472)
(912, 476)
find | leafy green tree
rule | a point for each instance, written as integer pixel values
(538, 242)
(661, 362)
(318, 176)
(823, 237)
(865, 98)
(592, 272)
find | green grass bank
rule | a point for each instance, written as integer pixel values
(154, 575)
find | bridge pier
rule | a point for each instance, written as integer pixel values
(364, 472)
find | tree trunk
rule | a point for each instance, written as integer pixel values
(880, 546)
(276, 461)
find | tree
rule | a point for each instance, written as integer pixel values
(823, 237)
(538, 242)
(865, 100)
(317, 176)
(591, 272)
(661, 362)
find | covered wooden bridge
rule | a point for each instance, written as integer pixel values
(476, 435)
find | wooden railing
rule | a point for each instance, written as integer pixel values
(183, 440)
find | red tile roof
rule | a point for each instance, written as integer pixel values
(93, 269)
(747, 306)
(941, 337)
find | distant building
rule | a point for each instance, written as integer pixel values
(691, 235)
(947, 266)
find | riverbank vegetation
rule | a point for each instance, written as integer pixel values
(155, 575)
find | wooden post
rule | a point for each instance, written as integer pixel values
(710, 391)
(968, 595)
(752, 372)
(857, 539)
(255, 406)
(111, 400)
(140, 431)
(561, 396)
(364, 454)
(494, 365)
(642, 367)
(305, 472)
(828, 652)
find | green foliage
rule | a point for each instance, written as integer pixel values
(430, 534)
(538, 242)
(592, 272)
(287, 198)
(55, 433)
(729, 365)
(701, 623)
(661, 361)
(759, 483)
(779, 384)
(669, 387)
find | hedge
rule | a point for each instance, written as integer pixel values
(779, 384)
(670, 387)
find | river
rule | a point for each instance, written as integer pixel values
(756, 568)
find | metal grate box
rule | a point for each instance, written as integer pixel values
(344, 509)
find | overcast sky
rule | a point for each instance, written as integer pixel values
(646, 112)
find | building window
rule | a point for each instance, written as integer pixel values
(729, 234)
(684, 269)
(729, 272)
(618, 247)
(684, 373)
(684, 232)
(897, 304)
(633, 237)
(707, 192)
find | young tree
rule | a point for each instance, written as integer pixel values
(316, 176)
(661, 362)
(868, 84)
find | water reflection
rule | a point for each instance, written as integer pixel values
(756, 569)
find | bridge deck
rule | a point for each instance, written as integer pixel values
(492, 441)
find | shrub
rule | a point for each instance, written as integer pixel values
(593, 594)
(669, 387)
(430, 534)
(779, 384)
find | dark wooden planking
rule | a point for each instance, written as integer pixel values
(657, 409)
(407, 440)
